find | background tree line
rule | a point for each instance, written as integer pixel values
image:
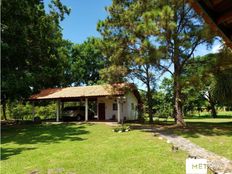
(35, 55)
(141, 40)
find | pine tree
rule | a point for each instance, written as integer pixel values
(139, 26)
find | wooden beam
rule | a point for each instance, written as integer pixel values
(225, 17)
(211, 22)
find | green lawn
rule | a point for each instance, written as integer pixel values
(86, 148)
(212, 134)
(202, 115)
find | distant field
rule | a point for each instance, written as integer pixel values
(204, 117)
(220, 114)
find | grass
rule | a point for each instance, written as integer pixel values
(212, 134)
(85, 148)
(202, 115)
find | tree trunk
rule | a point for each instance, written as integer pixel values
(174, 109)
(212, 106)
(149, 95)
(4, 110)
(149, 103)
(213, 111)
(150, 112)
(10, 109)
(178, 106)
(177, 94)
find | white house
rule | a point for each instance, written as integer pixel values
(115, 102)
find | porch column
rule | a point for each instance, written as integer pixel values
(119, 110)
(57, 110)
(86, 109)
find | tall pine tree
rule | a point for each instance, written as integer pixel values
(141, 25)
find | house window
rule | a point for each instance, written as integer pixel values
(132, 106)
(115, 107)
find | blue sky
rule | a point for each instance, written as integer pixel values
(85, 14)
(82, 21)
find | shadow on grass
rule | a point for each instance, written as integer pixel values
(196, 129)
(7, 152)
(37, 134)
(193, 129)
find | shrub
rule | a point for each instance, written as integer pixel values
(121, 129)
(24, 111)
(46, 112)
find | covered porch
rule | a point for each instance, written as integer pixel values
(101, 107)
(106, 101)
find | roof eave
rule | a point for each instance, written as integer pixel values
(201, 11)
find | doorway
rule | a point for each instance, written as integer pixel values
(101, 111)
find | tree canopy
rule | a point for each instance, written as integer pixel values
(34, 54)
(33, 50)
(87, 61)
(141, 40)
(134, 29)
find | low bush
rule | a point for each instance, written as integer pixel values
(46, 112)
(21, 111)
(122, 128)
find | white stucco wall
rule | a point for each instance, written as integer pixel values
(132, 114)
(126, 110)
(108, 106)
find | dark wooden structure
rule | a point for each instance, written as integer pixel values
(218, 14)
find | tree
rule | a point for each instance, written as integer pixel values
(193, 99)
(145, 73)
(129, 50)
(144, 69)
(163, 98)
(223, 76)
(33, 51)
(181, 32)
(210, 76)
(87, 61)
(198, 73)
(140, 25)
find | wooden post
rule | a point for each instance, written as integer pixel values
(119, 110)
(57, 110)
(86, 109)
